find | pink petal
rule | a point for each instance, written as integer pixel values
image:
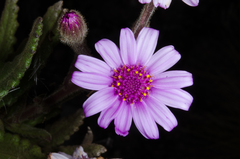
(108, 115)
(59, 156)
(91, 64)
(160, 113)
(91, 81)
(176, 98)
(123, 119)
(144, 1)
(144, 121)
(109, 52)
(192, 3)
(162, 60)
(128, 47)
(66, 155)
(99, 101)
(162, 3)
(173, 79)
(146, 44)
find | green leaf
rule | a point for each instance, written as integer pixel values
(12, 147)
(94, 149)
(50, 36)
(12, 72)
(1, 126)
(47, 42)
(29, 131)
(8, 27)
(64, 128)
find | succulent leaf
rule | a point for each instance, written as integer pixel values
(12, 72)
(8, 27)
(62, 129)
(29, 131)
(12, 147)
(50, 35)
(94, 149)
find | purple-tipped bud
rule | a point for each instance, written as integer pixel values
(72, 27)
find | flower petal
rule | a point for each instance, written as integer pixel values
(144, 121)
(123, 119)
(91, 81)
(192, 3)
(146, 44)
(109, 52)
(66, 155)
(91, 64)
(99, 101)
(160, 113)
(173, 79)
(79, 153)
(108, 115)
(163, 59)
(59, 156)
(162, 3)
(144, 1)
(128, 47)
(176, 98)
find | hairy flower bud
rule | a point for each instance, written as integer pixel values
(72, 28)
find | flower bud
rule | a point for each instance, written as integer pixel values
(72, 28)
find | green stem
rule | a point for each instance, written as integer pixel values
(67, 91)
(144, 18)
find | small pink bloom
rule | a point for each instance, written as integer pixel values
(77, 154)
(132, 83)
(72, 27)
(166, 3)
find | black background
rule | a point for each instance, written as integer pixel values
(206, 36)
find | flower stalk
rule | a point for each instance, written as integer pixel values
(144, 18)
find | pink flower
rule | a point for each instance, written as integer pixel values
(166, 3)
(132, 84)
(77, 154)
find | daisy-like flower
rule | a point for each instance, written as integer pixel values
(166, 3)
(131, 84)
(77, 154)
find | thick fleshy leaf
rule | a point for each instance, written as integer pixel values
(146, 44)
(192, 3)
(123, 119)
(128, 47)
(144, 121)
(173, 79)
(160, 113)
(8, 27)
(176, 98)
(62, 129)
(91, 64)
(92, 81)
(29, 131)
(99, 101)
(12, 146)
(162, 60)
(12, 72)
(108, 115)
(162, 3)
(109, 52)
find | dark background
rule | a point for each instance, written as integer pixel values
(206, 36)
